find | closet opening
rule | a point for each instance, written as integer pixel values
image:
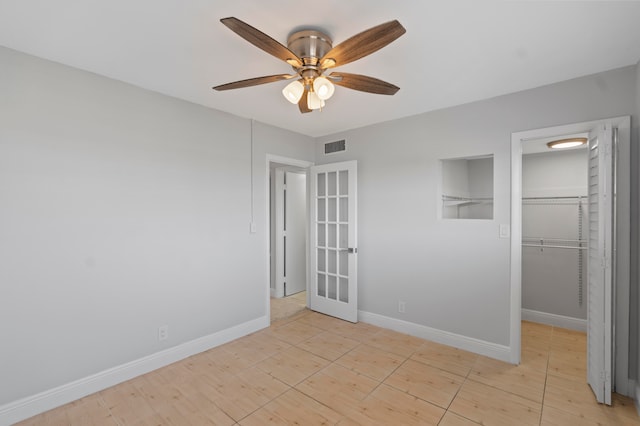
(570, 250)
(554, 234)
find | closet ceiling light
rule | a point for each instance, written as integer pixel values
(567, 143)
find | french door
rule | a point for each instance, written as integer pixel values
(333, 240)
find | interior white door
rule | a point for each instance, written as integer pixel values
(295, 228)
(333, 243)
(290, 192)
(601, 262)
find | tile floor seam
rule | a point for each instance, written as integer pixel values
(383, 382)
(546, 376)
(459, 415)
(259, 408)
(344, 416)
(456, 394)
(313, 353)
(115, 419)
(506, 391)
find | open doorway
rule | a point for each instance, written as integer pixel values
(288, 217)
(614, 307)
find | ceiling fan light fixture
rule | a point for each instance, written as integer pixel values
(323, 87)
(311, 52)
(314, 101)
(567, 143)
(293, 91)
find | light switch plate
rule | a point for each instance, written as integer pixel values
(505, 230)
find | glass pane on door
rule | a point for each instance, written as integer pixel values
(321, 260)
(332, 237)
(321, 210)
(344, 209)
(332, 183)
(343, 178)
(332, 262)
(333, 210)
(343, 261)
(344, 290)
(332, 291)
(322, 240)
(322, 185)
(344, 237)
(322, 290)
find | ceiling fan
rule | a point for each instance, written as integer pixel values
(311, 54)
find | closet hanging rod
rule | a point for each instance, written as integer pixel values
(554, 246)
(553, 239)
(569, 197)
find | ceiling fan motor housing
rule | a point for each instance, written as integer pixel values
(309, 45)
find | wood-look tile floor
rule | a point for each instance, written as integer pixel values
(310, 369)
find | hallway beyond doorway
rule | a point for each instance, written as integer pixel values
(285, 307)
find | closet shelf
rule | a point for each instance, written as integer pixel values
(452, 201)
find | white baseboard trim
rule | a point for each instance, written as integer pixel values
(30, 406)
(555, 320)
(492, 350)
(636, 397)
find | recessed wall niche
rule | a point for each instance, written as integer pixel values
(467, 188)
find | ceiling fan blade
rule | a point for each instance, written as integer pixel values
(363, 83)
(254, 81)
(261, 40)
(362, 44)
(302, 103)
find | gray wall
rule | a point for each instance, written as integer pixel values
(550, 276)
(121, 210)
(454, 275)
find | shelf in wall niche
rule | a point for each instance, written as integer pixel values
(453, 201)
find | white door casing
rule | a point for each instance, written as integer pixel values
(601, 262)
(333, 239)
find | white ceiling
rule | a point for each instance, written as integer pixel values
(454, 52)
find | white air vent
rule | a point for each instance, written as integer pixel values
(337, 146)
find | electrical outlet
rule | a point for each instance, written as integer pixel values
(401, 307)
(163, 332)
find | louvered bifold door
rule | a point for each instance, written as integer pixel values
(600, 267)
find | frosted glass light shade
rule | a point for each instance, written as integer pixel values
(323, 87)
(313, 101)
(567, 143)
(293, 91)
